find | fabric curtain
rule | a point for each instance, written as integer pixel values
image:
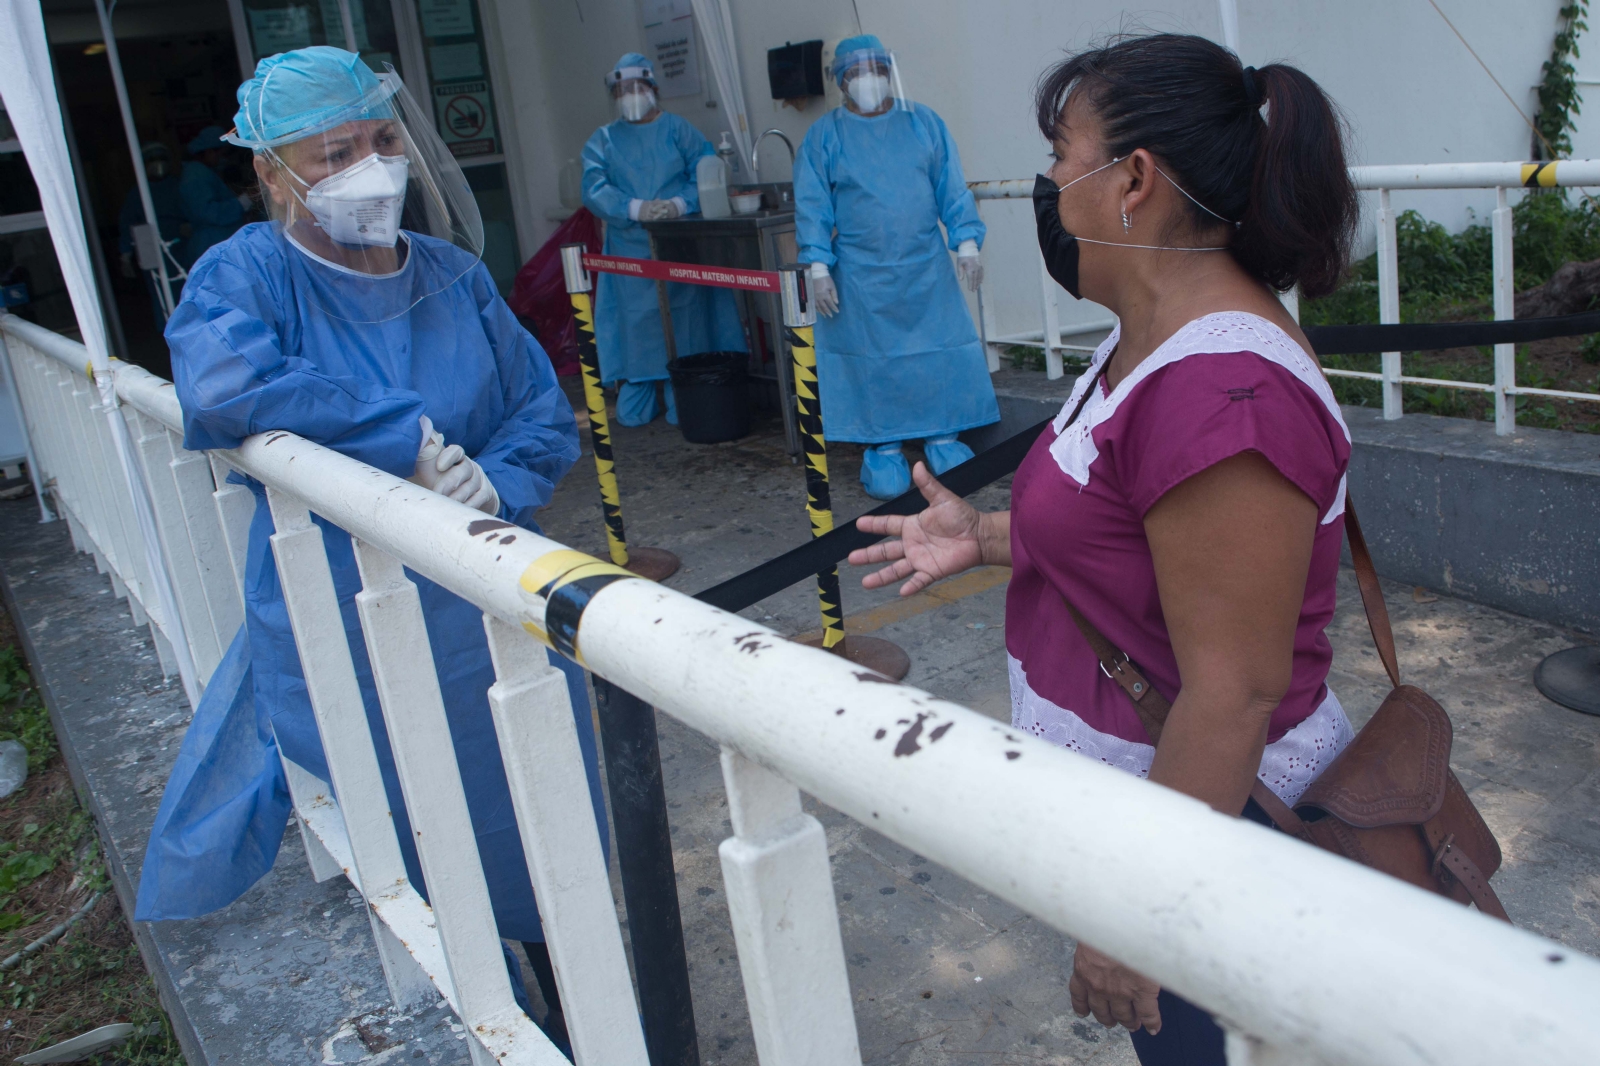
(28, 88)
(715, 23)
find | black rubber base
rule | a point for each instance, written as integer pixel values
(875, 653)
(1572, 678)
(656, 564)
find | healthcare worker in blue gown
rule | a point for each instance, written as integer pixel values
(361, 318)
(212, 210)
(897, 356)
(641, 168)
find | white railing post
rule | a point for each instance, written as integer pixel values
(191, 474)
(1243, 1050)
(1505, 307)
(1053, 369)
(236, 508)
(441, 824)
(335, 695)
(8, 380)
(1291, 301)
(150, 446)
(785, 922)
(1389, 303)
(550, 792)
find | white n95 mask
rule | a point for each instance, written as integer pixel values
(635, 106)
(361, 204)
(869, 91)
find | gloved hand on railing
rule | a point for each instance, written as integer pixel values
(427, 471)
(464, 481)
(447, 471)
(969, 265)
(824, 294)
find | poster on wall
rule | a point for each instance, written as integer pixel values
(280, 29)
(466, 118)
(670, 46)
(446, 18)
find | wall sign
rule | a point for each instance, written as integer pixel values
(466, 117)
(670, 46)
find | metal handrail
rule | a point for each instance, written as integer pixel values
(1383, 179)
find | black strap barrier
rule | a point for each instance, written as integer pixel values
(1431, 336)
(827, 551)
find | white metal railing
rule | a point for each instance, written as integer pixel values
(1307, 959)
(1382, 180)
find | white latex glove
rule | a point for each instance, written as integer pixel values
(824, 294)
(657, 210)
(464, 481)
(428, 471)
(969, 265)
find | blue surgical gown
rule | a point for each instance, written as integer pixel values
(900, 360)
(268, 338)
(626, 161)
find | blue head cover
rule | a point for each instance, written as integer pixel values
(210, 137)
(853, 50)
(307, 91)
(632, 66)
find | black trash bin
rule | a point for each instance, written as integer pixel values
(713, 396)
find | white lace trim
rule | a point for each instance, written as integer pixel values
(1226, 331)
(1288, 765)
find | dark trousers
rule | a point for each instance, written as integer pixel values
(1189, 1035)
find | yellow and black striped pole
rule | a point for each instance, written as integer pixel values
(798, 319)
(654, 563)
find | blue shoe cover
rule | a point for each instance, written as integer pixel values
(944, 453)
(884, 473)
(672, 405)
(637, 404)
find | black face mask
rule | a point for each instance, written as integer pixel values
(1060, 248)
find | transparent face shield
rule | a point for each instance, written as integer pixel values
(871, 82)
(378, 202)
(634, 98)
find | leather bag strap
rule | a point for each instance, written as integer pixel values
(1451, 863)
(1371, 592)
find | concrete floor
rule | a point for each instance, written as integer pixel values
(944, 973)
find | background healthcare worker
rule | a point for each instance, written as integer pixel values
(897, 356)
(212, 210)
(361, 318)
(640, 168)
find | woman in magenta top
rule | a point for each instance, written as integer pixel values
(1193, 509)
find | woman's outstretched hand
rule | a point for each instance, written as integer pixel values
(942, 540)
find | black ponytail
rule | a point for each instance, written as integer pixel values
(1282, 177)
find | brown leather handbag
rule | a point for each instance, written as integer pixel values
(1389, 800)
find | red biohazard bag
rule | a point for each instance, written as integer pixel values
(539, 295)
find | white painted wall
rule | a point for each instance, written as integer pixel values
(1411, 90)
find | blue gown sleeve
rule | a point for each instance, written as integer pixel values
(538, 441)
(813, 198)
(957, 208)
(599, 194)
(694, 147)
(206, 199)
(234, 380)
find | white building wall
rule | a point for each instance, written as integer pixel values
(1410, 89)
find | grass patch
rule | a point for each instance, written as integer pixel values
(50, 866)
(1446, 277)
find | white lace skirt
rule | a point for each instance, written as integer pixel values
(1288, 766)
